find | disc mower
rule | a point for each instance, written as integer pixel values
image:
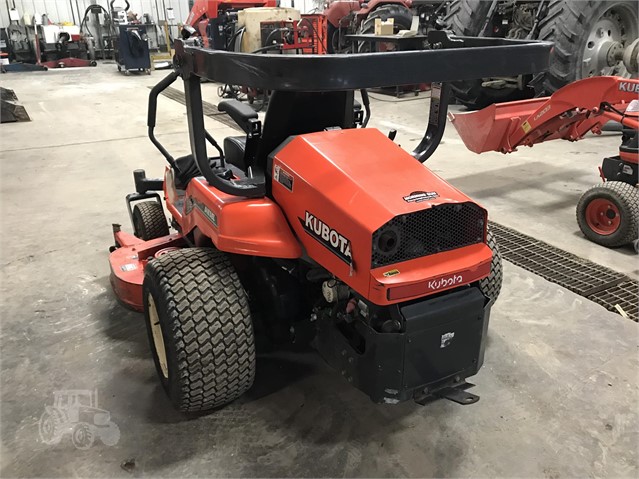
(607, 213)
(312, 227)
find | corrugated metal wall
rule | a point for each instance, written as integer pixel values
(73, 10)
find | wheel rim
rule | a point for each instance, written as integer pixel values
(615, 29)
(158, 339)
(82, 436)
(603, 216)
(47, 427)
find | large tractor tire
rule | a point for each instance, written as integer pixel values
(83, 436)
(491, 285)
(402, 20)
(467, 17)
(149, 221)
(51, 426)
(199, 327)
(335, 39)
(608, 214)
(583, 34)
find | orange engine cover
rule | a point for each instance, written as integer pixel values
(338, 188)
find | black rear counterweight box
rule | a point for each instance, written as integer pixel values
(442, 344)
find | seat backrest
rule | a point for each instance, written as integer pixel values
(296, 113)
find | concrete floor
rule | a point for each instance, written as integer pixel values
(559, 386)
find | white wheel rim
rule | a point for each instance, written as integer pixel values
(616, 25)
(158, 339)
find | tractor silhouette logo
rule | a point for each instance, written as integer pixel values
(76, 412)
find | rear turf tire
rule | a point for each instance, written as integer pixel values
(199, 328)
(149, 221)
(608, 214)
(491, 285)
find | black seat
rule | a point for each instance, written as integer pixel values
(296, 113)
(234, 147)
(186, 170)
(288, 114)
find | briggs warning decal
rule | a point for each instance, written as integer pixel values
(332, 239)
(419, 196)
(283, 177)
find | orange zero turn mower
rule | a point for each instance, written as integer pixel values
(311, 227)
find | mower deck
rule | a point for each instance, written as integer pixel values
(128, 259)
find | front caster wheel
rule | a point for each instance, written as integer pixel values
(199, 327)
(149, 221)
(608, 214)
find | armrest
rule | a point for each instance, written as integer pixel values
(240, 112)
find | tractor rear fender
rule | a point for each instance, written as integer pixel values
(338, 11)
(374, 4)
(255, 227)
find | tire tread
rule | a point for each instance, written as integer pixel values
(210, 326)
(627, 197)
(491, 285)
(152, 219)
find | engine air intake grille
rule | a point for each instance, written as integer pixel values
(433, 230)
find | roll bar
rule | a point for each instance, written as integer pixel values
(451, 58)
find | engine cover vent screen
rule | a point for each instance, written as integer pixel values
(429, 231)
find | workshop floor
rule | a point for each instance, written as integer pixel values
(559, 386)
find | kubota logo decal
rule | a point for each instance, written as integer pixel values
(630, 87)
(332, 239)
(441, 283)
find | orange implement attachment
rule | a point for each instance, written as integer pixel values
(129, 259)
(568, 114)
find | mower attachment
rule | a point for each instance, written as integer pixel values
(569, 114)
(311, 221)
(128, 258)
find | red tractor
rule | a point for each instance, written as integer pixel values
(590, 38)
(214, 21)
(312, 227)
(357, 16)
(607, 213)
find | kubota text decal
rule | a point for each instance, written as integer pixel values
(332, 239)
(630, 87)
